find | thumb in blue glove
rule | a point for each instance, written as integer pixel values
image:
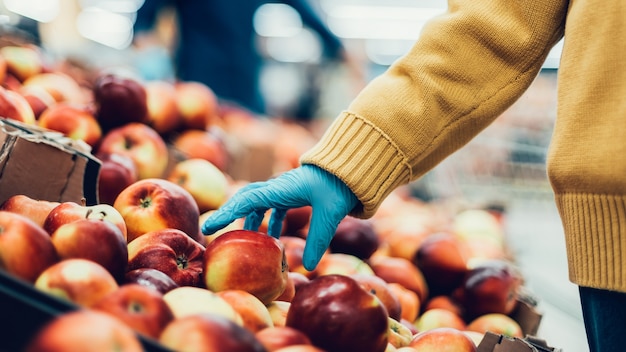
(330, 200)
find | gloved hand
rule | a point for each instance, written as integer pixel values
(330, 200)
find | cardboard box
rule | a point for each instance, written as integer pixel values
(499, 343)
(45, 165)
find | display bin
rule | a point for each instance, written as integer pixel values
(26, 310)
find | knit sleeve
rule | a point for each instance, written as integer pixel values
(467, 67)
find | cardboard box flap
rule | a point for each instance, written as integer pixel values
(45, 165)
(499, 343)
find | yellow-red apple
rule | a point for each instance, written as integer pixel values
(439, 318)
(208, 144)
(246, 260)
(207, 184)
(98, 240)
(162, 108)
(85, 330)
(73, 121)
(189, 300)
(141, 143)
(442, 340)
(208, 332)
(15, 107)
(62, 87)
(496, 323)
(76, 280)
(67, 212)
(22, 61)
(253, 312)
(275, 337)
(34, 209)
(197, 104)
(380, 288)
(25, 248)
(140, 307)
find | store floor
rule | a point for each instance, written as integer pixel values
(536, 236)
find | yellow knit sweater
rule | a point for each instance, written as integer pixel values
(469, 65)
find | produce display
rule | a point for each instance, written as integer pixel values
(418, 276)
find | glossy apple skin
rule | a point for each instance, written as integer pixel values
(170, 251)
(496, 323)
(208, 332)
(26, 250)
(141, 143)
(151, 278)
(442, 340)
(491, 286)
(337, 314)
(356, 237)
(155, 204)
(276, 337)
(67, 212)
(85, 330)
(162, 108)
(117, 171)
(140, 307)
(246, 260)
(75, 122)
(197, 105)
(442, 259)
(439, 318)
(207, 184)
(15, 107)
(34, 209)
(94, 239)
(119, 100)
(80, 281)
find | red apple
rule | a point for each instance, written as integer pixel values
(22, 61)
(170, 251)
(207, 184)
(151, 278)
(117, 171)
(162, 108)
(94, 239)
(298, 279)
(290, 288)
(156, 204)
(140, 307)
(275, 337)
(496, 323)
(300, 348)
(443, 340)
(208, 332)
(25, 248)
(246, 260)
(119, 100)
(253, 312)
(197, 105)
(38, 98)
(141, 143)
(442, 258)
(189, 300)
(73, 121)
(402, 271)
(490, 286)
(438, 318)
(355, 236)
(80, 281)
(60, 86)
(35, 209)
(67, 212)
(85, 330)
(208, 144)
(337, 314)
(340, 263)
(15, 107)
(380, 288)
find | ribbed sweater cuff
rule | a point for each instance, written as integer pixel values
(595, 229)
(363, 157)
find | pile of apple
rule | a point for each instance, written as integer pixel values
(416, 277)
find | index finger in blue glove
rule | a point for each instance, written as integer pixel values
(238, 206)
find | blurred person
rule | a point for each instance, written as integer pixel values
(216, 44)
(467, 67)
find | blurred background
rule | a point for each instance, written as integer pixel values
(503, 167)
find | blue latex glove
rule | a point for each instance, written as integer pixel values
(330, 200)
